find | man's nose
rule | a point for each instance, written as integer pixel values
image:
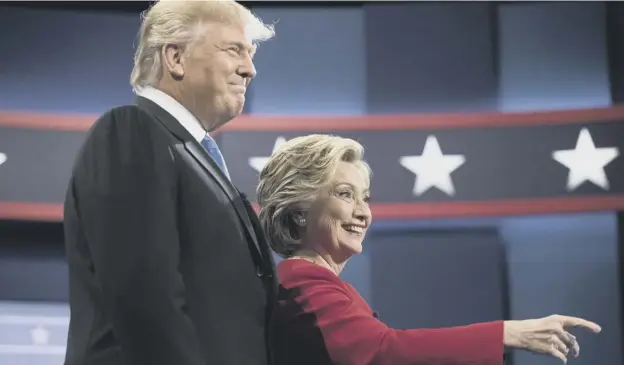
(247, 69)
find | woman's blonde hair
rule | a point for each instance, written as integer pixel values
(179, 22)
(293, 178)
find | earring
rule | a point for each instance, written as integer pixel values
(299, 218)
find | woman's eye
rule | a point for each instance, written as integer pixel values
(345, 194)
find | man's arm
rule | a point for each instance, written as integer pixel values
(125, 191)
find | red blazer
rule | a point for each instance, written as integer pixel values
(322, 320)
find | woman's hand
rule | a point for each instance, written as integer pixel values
(546, 335)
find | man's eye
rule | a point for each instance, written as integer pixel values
(233, 50)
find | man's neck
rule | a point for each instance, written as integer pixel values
(209, 124)
(180, 112)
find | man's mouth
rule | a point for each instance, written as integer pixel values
(239, 88)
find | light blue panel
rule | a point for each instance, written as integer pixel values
(33, 333)
(567, 264)
(552, 56)
(314, 65)
(63, 61)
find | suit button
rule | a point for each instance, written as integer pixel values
(259, 272)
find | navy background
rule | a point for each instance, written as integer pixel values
(371, 59)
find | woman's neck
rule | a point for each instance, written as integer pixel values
(323, 260)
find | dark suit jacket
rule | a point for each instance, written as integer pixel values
(321, 320)
(167, 263)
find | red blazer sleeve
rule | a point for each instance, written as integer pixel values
(353, 336)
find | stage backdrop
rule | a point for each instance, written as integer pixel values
(385, 58)
(440, 165)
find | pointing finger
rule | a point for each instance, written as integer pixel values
(579, 322)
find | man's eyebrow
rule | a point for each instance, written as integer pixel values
(241, 46)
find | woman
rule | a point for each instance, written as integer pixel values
(313, 197)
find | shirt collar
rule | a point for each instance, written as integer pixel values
(177, 110)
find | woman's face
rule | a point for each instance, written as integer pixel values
(338, 219)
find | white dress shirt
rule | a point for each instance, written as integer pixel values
(177, 110)
(182, 115)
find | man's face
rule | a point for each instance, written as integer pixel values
(217, 69)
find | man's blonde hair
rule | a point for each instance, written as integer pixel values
(179, 22)
(294, 176)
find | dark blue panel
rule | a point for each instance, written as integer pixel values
(442, 277)
(425, 57)
(615, 38)
(63, 61)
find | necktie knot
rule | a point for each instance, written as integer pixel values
(211, 147)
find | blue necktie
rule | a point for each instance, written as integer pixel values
(213, 150)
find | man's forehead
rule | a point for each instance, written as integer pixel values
(232, 33)
(249, 32)
(227, 32)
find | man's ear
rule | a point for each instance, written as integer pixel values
(172, 58)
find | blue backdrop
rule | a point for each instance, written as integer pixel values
(379, 58)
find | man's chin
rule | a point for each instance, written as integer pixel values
(229, 109)
(238, 109)
(236, 112)
(236, 104)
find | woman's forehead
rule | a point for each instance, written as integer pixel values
(351, 174)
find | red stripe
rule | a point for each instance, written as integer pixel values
(497, 208)
(72, 122)
(61, 122)
(421, 121)
(54, 212)
(31, 211)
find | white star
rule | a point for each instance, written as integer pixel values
(432, 168)
(258, 162)
(40, 335)
(586, 162)
(3, 158)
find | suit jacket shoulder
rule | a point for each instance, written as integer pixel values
(125, 124)
(124, 141)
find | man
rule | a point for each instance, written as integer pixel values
(167, 263)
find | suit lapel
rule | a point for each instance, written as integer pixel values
(203, 158)
(255, 222)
